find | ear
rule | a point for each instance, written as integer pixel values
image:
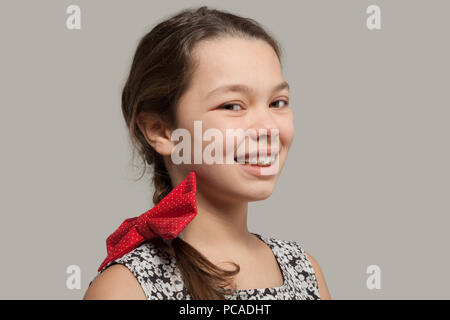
(156, 133)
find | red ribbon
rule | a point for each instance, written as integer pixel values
(167, 219)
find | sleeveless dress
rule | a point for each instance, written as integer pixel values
(157, 273)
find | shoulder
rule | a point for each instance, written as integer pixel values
(291, 248)
(116, 282)
(323, 288)
(130, 276)
(291, 251)
(147, 256)
(309, 263)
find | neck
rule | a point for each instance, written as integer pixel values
(219, 226)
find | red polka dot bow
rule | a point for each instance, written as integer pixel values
(167, 219)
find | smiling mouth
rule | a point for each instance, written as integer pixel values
(266, 161)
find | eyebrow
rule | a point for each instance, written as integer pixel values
(244, 88)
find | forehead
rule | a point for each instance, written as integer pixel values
(235, 60)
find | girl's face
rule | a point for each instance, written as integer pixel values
(265, 105)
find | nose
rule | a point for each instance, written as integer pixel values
(264, 130)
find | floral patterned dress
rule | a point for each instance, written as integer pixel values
(157, 273)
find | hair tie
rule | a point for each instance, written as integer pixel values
(166, 220)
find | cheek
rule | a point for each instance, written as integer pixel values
(213, 135)
(221, 126)
(287, 132)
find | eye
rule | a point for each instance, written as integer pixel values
(232, 105)
(286, 103)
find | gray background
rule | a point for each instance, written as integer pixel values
(367, 177)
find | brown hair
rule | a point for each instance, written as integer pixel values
(160, 73)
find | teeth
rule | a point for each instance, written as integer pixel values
(263, 161)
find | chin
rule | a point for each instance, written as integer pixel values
(257, 194)
(235, 185)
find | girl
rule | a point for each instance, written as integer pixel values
(224, 71)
